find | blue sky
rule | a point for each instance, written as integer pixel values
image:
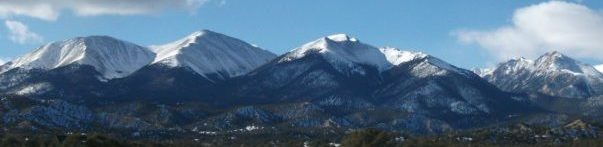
(430, 26)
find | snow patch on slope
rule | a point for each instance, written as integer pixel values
(111, 57)
(207, 52)
(599, 68)
(33, 89)
(482, 72)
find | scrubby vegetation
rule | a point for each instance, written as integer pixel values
(369, 138)
(577, 134)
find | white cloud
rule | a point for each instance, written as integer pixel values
(20, 33)
(567, 27)
(222, 2)
(51, 9)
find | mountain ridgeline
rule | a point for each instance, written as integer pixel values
(554, 82)
(208, 83)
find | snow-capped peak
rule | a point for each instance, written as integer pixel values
(396, 56)
(517, 64)
(207, 52)
(171, 49)
(341, 37)
(552, 73)
(549, 63)
(436, 66)
(341, 51)
(556, 60)
(111, 57)
(559, 62)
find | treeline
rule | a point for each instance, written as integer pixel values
(96, 140)
(67, 141)
(372, 138)
(361, 138)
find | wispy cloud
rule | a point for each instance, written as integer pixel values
(20, 33)
(568, 27)
(222, 2)
(51, 9)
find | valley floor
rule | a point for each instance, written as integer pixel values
(513, 135)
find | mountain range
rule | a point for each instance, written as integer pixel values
(208, 83)
(554, 82)
(553, 74)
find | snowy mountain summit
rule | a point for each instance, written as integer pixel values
(207, 52)
(427, 64)
(552, 73)
(341, 51)
(111, 57)
(397, 57)
(550, 63)
(555, 61)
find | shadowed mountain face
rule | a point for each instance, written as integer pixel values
(71, 82)
(419, 87)
(432, 87)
